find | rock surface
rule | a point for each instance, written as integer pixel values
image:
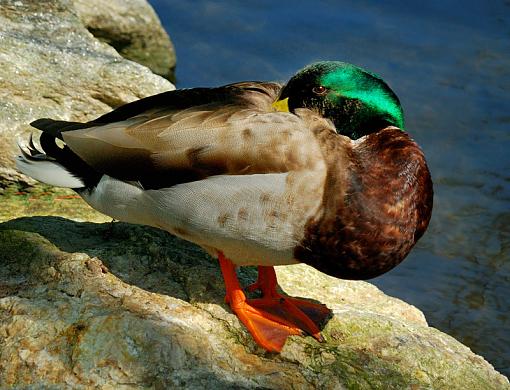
(143, 309)
(133, 29)
(52, 66)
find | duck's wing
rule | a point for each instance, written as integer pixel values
(187, 135)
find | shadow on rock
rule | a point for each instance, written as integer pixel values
(143, 256)
(146, 257)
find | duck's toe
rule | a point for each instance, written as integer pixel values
(270, 331)
(294, 313)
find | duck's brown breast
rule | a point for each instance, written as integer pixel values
(377, 203)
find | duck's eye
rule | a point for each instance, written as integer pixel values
(319, 90)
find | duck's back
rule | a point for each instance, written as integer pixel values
(229, 172)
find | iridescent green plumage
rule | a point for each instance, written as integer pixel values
(358, 102)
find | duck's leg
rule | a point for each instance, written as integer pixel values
(272, 318)
(268, 331)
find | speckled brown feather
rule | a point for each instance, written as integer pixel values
(164, 146)
(377, 203)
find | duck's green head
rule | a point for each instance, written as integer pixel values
(358, 102)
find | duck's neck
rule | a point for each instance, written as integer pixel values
(377, 203)
(355, 119)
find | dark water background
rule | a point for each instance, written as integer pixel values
(449, 62)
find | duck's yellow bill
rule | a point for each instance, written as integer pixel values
(281, 105)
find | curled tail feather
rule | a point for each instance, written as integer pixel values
(55, 165)
(42, 167)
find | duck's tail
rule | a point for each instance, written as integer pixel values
(54, 165)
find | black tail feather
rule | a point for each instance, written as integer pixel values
(53, 129)
(31, 152)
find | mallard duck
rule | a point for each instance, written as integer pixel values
(319, 171)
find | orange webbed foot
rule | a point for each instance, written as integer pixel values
(269, 330)
(274, 317)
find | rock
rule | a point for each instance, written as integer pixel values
(133, 29)
(143, 309)
(52, 66)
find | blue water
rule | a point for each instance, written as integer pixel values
(449, 62)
